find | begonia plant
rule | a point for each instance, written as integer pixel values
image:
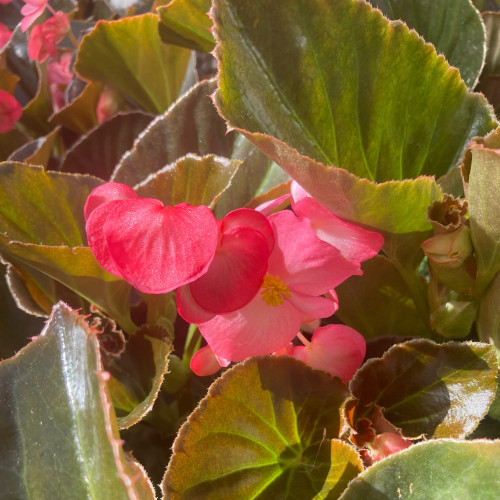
(249, 249)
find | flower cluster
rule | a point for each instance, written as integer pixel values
(249, 281)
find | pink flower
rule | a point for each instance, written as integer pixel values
(335, 349)
(355, 243)
(44, 37)
(107, 105)
(59, 76)
(31, 11)
(5, 35)
(300, 268)
(10, 111)
(155, 248)
(5, 2)
(205, 362)
(386, 444)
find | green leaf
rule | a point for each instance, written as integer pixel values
(367, 95)
(379, 303)
(440, 470)
(255, 176)
(186, 23)
(193, 180)
(137, 375)
(191, 125)
(492, 24)
(484, 212)
(345, 465)
(260, 432)
(98, 152)
(128, 55)
(42, 226)
(435, 390)
(454, 28)
(488, 321)
(60, 439)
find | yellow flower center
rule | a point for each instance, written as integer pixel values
(274, 291)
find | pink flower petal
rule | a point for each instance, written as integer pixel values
(254, 330)
(387, 443)
(312, 307)
(105, 193)
(236, 271)
(269, 207)
(355, 243)
(336, 349)
(188, 308)
(10, 111)
(160, 248)
(304, 262)
(5, 35)
(205, 362)
(250, 218)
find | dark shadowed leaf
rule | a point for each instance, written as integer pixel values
(488, 321)
(191, 125)
(37, 152)
(379, 302)
(261, 431)
(11, 141)
(193, 180)
(492, 23)
(454, 28)
(60, 438)
(439, 469)
(98, 152)
(186, 23)
(436, 390)
(128, 55)
(344, 105)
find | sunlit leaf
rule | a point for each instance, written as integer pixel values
(128, 55)
(454, 28)
(60, 439)
(262, 431)
(436, 390)
(434, 469)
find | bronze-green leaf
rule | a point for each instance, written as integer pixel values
(128, 55)
(186, 23)
(437, 469)
(436, 390)
(454, 28)
(261, 431)
(60, 438)
(341, 84)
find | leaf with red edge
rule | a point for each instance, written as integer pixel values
(57, 421)
(435, 390)
(128, 55)
(262, 430)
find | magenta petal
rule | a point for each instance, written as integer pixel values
(188, 308)
(250, 218)
(355, 243)
(336, 349)
(254, 330)
(236, 271)
(302, 260)
(158, 249)
(105, 193)
(97, 241)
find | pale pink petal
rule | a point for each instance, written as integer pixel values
(236, 271)
(188, 307)
(336, 349)
(158, 249)
(297, 192)
(312, 307)
(205, 362)
(287, 350)
(31, 11)
(250, 218)
(355, 243)
(95, 236)
(272, 206)
(302, 260)
(105, 193)
(254, 330)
